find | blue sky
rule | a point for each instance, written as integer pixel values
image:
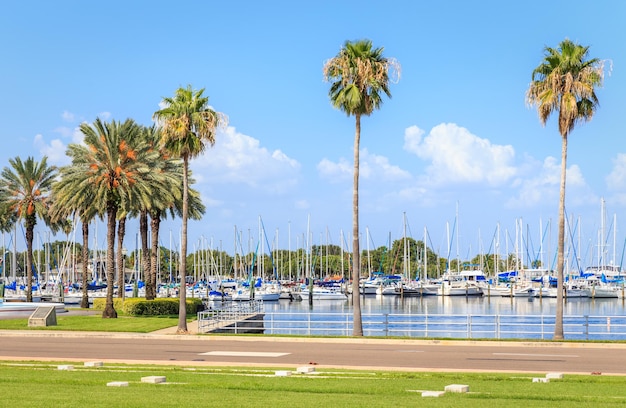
(455, 149)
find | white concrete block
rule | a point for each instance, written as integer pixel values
(94, 363)
(541, 380)
(66, 367)
(554, 376)
(457, 388)
(306, 369)
(283, 373)
(435, 394)
(153, 379)
(117, 384)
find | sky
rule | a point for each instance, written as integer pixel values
(455, 155)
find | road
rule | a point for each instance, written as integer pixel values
(405, 355)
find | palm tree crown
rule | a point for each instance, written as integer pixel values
(358, 74)
(565, 82)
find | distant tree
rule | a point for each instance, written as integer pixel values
(359, 74)
(565, 83)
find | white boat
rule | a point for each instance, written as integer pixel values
(459, 288)
(243, 295)
(220, 296)
(511, 290)
(322, 294)
(570, 290)
(464, 283)
(390, 289)
(597, 289)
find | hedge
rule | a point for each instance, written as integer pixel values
(156, 307)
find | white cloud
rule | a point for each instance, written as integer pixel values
(458, 156)
(68, 116)
(302, 204)
(104, 115)
(544, 187)
(55, 151)
(335, 172)
(616, 180)
(240, 159)
(371, 167)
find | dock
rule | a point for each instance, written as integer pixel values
(237, 318)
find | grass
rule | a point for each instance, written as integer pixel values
(41, 384)
(95, 322)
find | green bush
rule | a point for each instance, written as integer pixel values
(156, 307)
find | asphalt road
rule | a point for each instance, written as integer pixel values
(406, 355)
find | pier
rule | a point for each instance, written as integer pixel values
(238, 318)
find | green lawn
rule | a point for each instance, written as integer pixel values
(95, 322)
(37, 384)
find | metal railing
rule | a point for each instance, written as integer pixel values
(229, 314)
(579, 327)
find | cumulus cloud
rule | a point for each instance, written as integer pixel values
(458, 156)
(371, 167)
(68, 116)
(55, 150)
(543, 187)
(335, 171)
(616, 180)
(240, 159)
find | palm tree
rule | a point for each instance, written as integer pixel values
(26, 189)
(67, 201)
(358, 75)
(114, 163)
(187, 124)
(166, 190)
(565, 82)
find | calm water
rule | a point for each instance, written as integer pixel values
(457, 305)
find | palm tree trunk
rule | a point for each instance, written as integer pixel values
(182, 307)
(121, 281)
(84, 303)
(109, 310)
(155, 221)
(357, 329)
(30, 226)
(145, 255)
(560, 259)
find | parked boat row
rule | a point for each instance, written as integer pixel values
(595, 282)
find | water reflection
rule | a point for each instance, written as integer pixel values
(457, 305)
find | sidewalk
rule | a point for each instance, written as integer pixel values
(192, 328)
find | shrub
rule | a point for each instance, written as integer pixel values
(156, 307)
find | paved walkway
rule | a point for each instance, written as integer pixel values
(192, 328)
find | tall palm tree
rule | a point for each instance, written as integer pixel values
(115, 165)
(25, 188)
(187, 124)
(565, 82)
(359, 74)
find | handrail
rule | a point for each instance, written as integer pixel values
(576, 327)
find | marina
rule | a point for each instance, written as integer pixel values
(437, 316)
